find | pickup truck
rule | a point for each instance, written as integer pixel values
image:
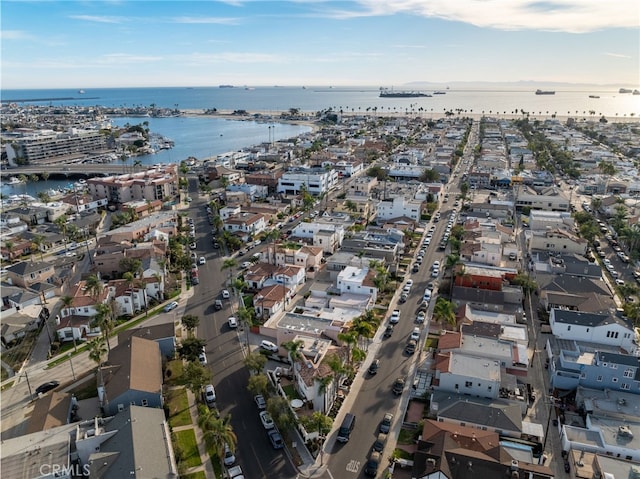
(235, 472)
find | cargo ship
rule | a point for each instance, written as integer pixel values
(384, 93)
(545, 92)
(624, 90)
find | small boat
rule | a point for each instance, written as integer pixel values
(545, 92)
(624, 90)
(636, 92)
(81, 92)
(439, 92)
(13, 181)
(594, 96)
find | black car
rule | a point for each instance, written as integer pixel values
(371, 468)
(398, 386)
(388, 331)
(373, 369)
(46, 387)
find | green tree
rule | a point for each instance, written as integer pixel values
(191, 348)
(279, 410)
(94, 286)
(258, 384)
(217, 432)
(429, 175)
(190, 322)
(255, 362)
(317, 422)
(444, 312)
(104, 320)
(293, 350)
(97, 352)
(195, 376)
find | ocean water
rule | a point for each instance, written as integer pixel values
(353, 99)
(203, 137)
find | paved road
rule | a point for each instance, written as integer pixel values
(226, 359)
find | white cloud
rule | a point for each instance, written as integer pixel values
(126, 58)
(98, 19)
(574, 16)
(15, 35)
(232, 57)
(616, 55)
(207, 20)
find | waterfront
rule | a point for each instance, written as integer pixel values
(479, 98)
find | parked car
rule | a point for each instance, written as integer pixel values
(46, 387)
(229, 456)
(421, 316)
(269, 346)
(385, 424)
(398, 386)
(380, 442)
(260, 402)
(225, 294)
(266, 420)
(233, 322)
(171, 306)
(371, 468)
(388, 331)
(410, 348)
(202, 260)
(202, 357)
(373, 368)
(209, 394)
(276, 439)
(395, 317)
(415, 334)
(217, 304)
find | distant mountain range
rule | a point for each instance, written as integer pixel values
(519, 85)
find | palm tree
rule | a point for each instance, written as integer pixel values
(130, 280)
(609, 169)
(36, 242)
(94, 286)
(444, 311)
(452, 262)
(229, 263)
(104, 320)
(97, 351)
(217, 432)
(349, 337)
(293, 349)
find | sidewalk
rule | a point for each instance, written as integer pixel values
(206, 466)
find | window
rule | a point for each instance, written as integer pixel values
(625, 386)
(468, 384)
(614, 380)
(599, 378)
(583, 376)
(628, 373)
(144, 402)
(569, 328)
(613, 366)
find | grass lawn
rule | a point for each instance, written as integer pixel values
(215, 462)
(407, 436)
(431, 342)
(178, 407)
(173, 373)
(186, 443)
(291, 392)
(196, 475)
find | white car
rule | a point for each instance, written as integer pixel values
(268, 346)
(193, 245)
(266, 420)
(426, 242)
(407, 286)
(427, 295)
(229, 456)
(202, 260)
(435, 265)
(415, 334)
(209, 394)
(260, 402)
(395, 317)
(421, 317)
(225, 294)
(246, 264)
(435, 273)
(233, 322)
(202, 357)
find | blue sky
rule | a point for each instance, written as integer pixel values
(118, 43)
